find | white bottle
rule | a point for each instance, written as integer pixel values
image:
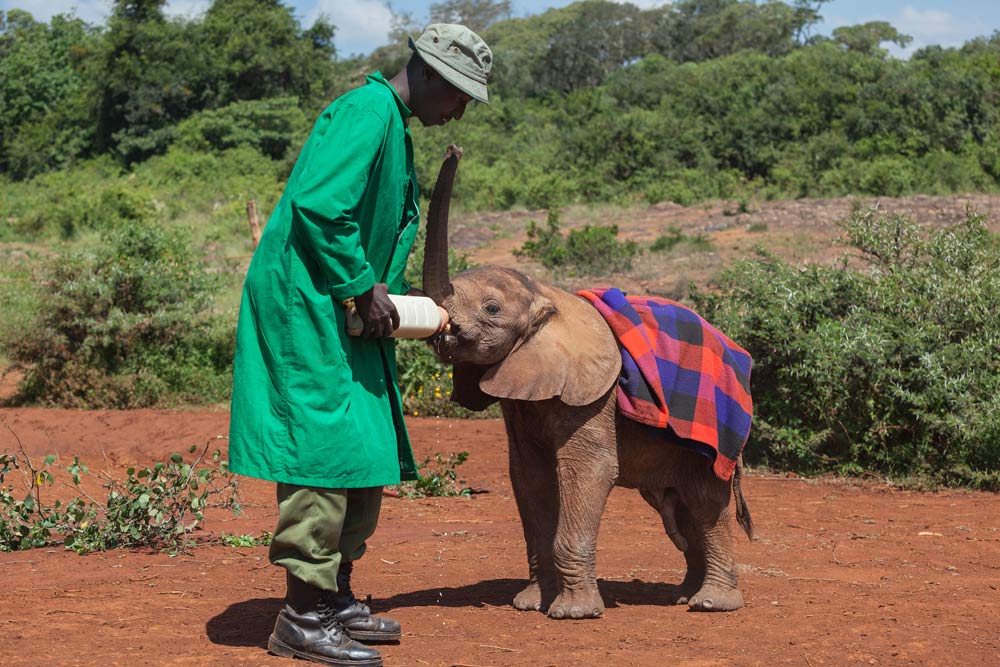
(419, 317)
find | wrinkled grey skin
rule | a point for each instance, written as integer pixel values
(552, 362)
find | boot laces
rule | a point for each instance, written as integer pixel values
(327, 614)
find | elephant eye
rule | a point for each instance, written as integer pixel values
(492, 308)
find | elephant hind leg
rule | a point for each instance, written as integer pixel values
(711, 580)
(665, 502)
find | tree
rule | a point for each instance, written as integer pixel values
(151, 76)
(270, 54)
(867, 38)
(45, 108)
(697, 30)
(477, 15)
(599, 38)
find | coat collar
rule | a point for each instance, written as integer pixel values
(404, 111)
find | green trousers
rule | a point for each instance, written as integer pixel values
(318, 528)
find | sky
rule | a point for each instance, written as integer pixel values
(362, 25)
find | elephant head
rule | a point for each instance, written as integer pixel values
(511, 336)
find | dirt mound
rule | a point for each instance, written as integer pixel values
(841, 573)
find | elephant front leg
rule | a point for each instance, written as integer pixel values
(534, 481)
(585, 480)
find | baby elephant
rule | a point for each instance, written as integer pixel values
(552, 362)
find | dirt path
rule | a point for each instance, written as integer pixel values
(841, 573)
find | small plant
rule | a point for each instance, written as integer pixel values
(675, 238)
(156, 506)
(439, 481)
(246, 541)
(757, 227)
(592, 251)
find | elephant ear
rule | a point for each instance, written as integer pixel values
(465, 387)
(571, 354)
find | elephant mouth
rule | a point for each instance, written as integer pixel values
(452, 349)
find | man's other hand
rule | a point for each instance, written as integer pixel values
(377, 311)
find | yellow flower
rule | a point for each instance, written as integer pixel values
(416, 413)
(83, 525)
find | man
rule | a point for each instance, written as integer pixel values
(316, 410)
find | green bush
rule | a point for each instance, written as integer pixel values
(892, 368)
(125, 322)
(271, 126)
(593, 250)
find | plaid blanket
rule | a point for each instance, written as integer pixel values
(679, 371)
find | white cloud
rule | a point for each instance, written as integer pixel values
(362, 25)
(91, 11)
(97, 11)
(644, 4)
(931, 26)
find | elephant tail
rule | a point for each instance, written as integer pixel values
(742, 510)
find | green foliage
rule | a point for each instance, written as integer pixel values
(156, 506)
(593, 250)
(44, 91)
(125, 323)
(441, 480)
(894, 368)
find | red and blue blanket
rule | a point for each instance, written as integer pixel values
(680, 372)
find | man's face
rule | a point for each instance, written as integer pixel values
(440, 101)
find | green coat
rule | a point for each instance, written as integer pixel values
(311, 405)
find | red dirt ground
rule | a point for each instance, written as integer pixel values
(841, 573)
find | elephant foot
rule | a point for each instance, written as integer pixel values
(715, 598)
(689, 587)
(530, 599)
(577, 604)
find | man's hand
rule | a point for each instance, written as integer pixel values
(377, 311)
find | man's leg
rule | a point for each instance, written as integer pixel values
(306, 543)
(363, 507)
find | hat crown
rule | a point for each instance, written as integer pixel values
(458, 54)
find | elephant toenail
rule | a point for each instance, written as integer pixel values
(707, 604)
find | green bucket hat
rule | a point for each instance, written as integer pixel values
(459, 55)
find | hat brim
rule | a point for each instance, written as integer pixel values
(467, 85)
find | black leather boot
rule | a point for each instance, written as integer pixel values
(355, 616)
(307, 628)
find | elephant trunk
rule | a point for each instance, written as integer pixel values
(437, 284)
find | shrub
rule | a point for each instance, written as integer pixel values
(675, 237)
(125, 323)
(893, 368)
(593, 250)
(156, 506)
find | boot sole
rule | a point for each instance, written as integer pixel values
(285, 651)
(373, 637)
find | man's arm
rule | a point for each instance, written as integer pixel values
(327, 197)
